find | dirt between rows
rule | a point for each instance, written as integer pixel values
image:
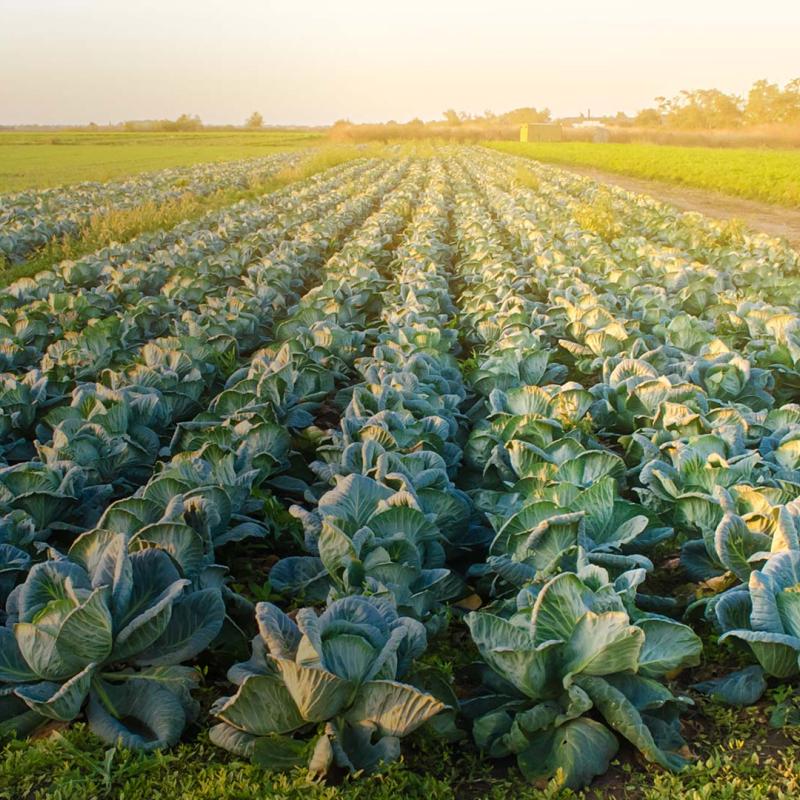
(763, 217)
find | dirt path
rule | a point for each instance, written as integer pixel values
(773, 220)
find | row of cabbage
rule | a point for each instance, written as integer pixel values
(387, 535)
(521, 407)
(564, 641)
(327, 690)
(68, 461)
(31, 219)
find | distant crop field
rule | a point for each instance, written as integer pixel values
(772, 176)
(39, 160)
(41, 227)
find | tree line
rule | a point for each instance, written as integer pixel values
(185, 122)
(765, 103)
(697, 109)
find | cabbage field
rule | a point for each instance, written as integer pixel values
(30, 219)
(449, 447)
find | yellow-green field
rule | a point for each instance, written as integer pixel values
(772, 176)
(38, 160)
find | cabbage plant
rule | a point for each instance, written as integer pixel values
(52, 497)
(108, 631)
(421, 473)
(765, 614)
(699, 465)
(545, 538)
(324, 690)
(21, 398)
(578, 650)
(369, 536)
(633, 392)
(740, 543)
(111, 435)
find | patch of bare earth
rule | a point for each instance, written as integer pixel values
(763, 217)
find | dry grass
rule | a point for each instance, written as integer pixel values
(775, 136)
(599, 216)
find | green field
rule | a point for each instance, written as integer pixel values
(38, 160)
(772, 176)
(737, 755)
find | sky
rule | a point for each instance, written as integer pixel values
(313, 62)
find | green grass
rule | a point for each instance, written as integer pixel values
(772, 176)
(737, 756)
(38, 160)
(120, 226)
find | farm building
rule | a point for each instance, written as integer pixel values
(596, 129)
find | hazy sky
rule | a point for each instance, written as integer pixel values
(313, 62)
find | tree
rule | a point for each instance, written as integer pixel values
(695, 109)
(767, 103)
(452, 117)
(791, 102)
(522, 115)
(255, 121)
(185, 122)
(648, 118)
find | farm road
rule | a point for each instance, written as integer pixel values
(770, 219)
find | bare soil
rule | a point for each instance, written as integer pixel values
(763, 217)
